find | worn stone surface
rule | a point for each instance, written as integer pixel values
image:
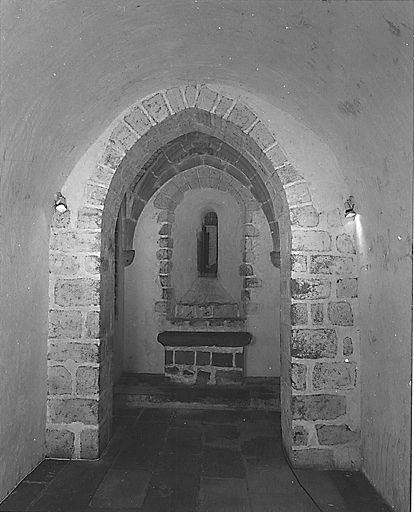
(347, 347)
(331, 265)
(313, 458)
(73, 410)
(76, 352)
(298, 376)
(299, 263)
(299, 436)
(65, 323)
(75, 241)
(59, 380)
(311, 240)
(229, 377)
(77, 292)
(299, 314)
(334, 376)
(87, 380)
(297, 194)
(314, 343)
(304, 216)
(89, 443)
(336, 434)
(340, 313)
(60, 443)
(318, 407)
(64, 264)
(310, 289)
(89, 218)
(347, 288)
(317, 313)
(345, 244)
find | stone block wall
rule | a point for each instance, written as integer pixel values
(205, 365)
(324, 364)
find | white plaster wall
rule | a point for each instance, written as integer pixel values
(142, 352)
(263, 354)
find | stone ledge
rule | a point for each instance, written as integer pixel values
(207, 339)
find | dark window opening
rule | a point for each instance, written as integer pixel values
(208, 246)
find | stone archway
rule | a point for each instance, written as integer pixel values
(320, 400)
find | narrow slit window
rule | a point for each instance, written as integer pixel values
(208, 246)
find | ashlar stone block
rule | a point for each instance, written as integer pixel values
(310, 289)
(340, 313)
(299, 263)
(59, 380)
(317, 313)
(77, 352)
(304, 216)
(298, 376)
(72, 410)
(297, 194)
(75, 241)
(336, 434)
(299, 436)
(314, 343)
(77, 292)
(299, 314)
(60, 443)
(330, 376)
(156, 107)
(345, 244)
(65, 324)
(347, 347)
(331, 265)
(89, 443)
(87, 380)
(89, 218)
(318, 407)
(311, 240)
(313, 458)
(347, 288)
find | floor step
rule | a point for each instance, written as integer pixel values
(154, 390)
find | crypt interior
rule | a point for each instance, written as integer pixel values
(207, 205)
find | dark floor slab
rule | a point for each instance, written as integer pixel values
(187, 418)
(137, 454)
(223, 495)
(262, 446)
(167, 500)
(72, 488)
(22, 496)
(270, 475)
(121, 489)
(156, 415)
(122, 425)
(283, 502)
(225, 416)
(178, 471)
(183, 440)
(221, 462)
(46, 471)
(223, 435)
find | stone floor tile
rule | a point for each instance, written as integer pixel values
(134, 412)
(187, 418)
(121, 489)
(223, 495)
(157, 415)
(270, 475)
(46, 470)
(112, 449)
(164, 499)
(149, 432)
(262, 446)
(223, 435)
(137, 454)
(122, 425)
(22, 496)
(221, 462)
(283, 502)
(184, 440)
(177, 472)
(220, 416)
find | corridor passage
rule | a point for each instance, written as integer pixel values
(190, 460)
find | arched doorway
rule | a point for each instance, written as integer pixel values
(162, 137)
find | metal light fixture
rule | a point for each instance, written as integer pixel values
(61, 205)
(349, 208)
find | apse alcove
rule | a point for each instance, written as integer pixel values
(201, 293)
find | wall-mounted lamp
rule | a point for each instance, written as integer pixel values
(349, 208)
(61, 205)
